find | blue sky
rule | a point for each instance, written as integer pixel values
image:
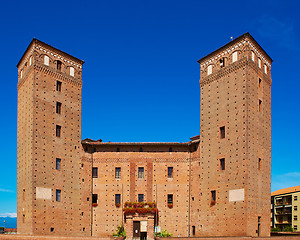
(141, 72)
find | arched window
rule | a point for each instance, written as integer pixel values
(209, 70)
(46, 60)
(235, 56)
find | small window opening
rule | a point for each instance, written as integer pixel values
(118, 199)
(23, 194)
(88, 199)
(58, 131)
(95, 198)
(222, 163)
(141, 149)
(222, 62)
(295, 198)
(58, 195)
(170, 198)
(141, 172)
(209, 70)
(259, 105)
(58, 86)
(83, 229)
(46, 60)
(58, 66)
(72, 71)
(117, 172)
(193, 198)
(259, 82)
(58, 107)
(222, 132)
(193, 231)
(170, 149)
(170, 172)
(51, 229)
(213, 197)
(259, 163)
(23, 219)
(81, 213)
(118, 149)
(95, 172)
(235, 56)
(141, 198)
(58, 164)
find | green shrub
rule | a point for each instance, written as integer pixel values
(288, 229)
(120, 232)
(164, 233)
(275, 230)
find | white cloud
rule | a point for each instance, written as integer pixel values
(11, 215)
(5, 190)
(285, 180)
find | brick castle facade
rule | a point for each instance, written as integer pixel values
(217, 184)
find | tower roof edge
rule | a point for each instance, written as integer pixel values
(247, 34)
(34, 40)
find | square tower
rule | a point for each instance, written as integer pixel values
(49, 142)
(235, 140)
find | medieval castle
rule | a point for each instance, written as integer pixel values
(217, 184)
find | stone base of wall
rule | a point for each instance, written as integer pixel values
(26, 237)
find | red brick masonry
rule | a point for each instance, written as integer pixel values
(23, 237)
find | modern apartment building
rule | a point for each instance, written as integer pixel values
(285, 208)
(216, 184)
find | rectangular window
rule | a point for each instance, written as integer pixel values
(295, 198)
(141, 198)
(118, 173)
(58, 107)
(141, 172)
(58, 86)
(259, 82)
(94, 198)
(58, 195)
(222, 132)
(252, 56)
(295, 208)
(295, 217)
(170, 172)
(259, 163)
(209, 70)
(234, 56)
(259, 63)
(46, 60)
(95, 172)
(170, 198)
(21, 73)
(213, 197)
(58, 66)
(222, 62)
(193, 231)
(58, 163)
(295, 227)
(118, 199)
(58, 131)
(265, 69)
(72, 71)
(259, 105)
(30, 61)
(222, 163)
